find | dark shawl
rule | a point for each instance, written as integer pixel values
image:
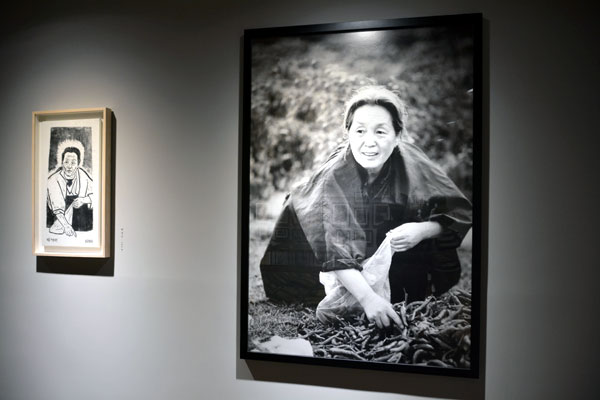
(325, 217)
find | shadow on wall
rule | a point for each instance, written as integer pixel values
(89, 266)
(366, 380)
(76, 265)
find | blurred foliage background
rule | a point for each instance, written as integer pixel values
(300, 85)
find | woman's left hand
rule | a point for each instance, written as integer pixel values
(410, 234)
(78, 202)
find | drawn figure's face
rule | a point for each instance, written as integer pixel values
(70, 164)
(372, 137)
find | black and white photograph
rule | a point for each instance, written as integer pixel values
(361, 199)
(69, 182)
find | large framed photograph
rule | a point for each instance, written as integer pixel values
(71, 182)
(361, 194)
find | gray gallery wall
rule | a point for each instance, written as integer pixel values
(164, 326)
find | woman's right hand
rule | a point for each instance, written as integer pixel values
(69, 231)
(380, 311)
(376, 308)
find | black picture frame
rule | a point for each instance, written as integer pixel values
(291, 75)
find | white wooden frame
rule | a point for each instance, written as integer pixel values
(99, 245)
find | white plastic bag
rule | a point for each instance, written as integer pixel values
(339, 302)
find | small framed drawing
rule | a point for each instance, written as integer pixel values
(361, 194)
(71, 182)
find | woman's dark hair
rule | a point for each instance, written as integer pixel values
(376, 96)
(71, 150)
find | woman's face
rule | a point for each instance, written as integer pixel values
(70, 164)
(372, 137)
